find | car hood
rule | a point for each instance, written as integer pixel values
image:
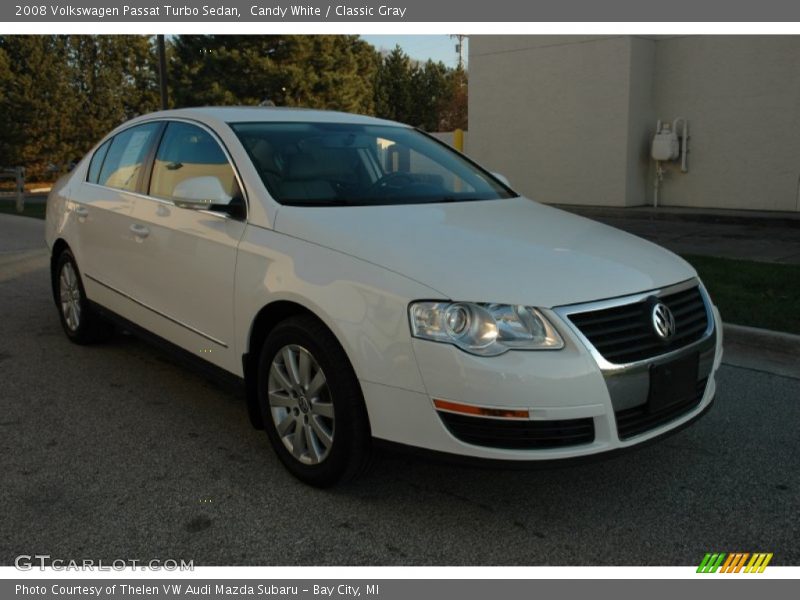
(513, 251)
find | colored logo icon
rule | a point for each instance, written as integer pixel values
(734, 562)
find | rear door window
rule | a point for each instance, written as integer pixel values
(97, 162)
(124, 161)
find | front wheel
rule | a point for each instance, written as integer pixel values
(311, 403)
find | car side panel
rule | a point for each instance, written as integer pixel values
(364, 305)
(94, 220)
(56, 210)
(184, 271)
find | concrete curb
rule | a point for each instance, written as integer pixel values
(761, 219)
(774, 341)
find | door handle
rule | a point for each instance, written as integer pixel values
(140, 231)
(81, 211)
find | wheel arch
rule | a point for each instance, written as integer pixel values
(267, 318)
(58, 247)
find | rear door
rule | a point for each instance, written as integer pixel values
(187, 261)
(104, 243)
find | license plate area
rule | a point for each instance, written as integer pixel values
(673, 382)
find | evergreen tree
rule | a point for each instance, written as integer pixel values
(454, 112)
(314, 71)
(431, 93)
(429, 96)
(37, 103)
(224, 70)
(393, 83)
(115, 79)
(61, 94)
(5, 74)
(330, 71)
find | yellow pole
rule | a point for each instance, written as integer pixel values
(458, 144)
(458, 140)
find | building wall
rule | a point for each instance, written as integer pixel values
(641, 121)
(742, 98)
(544, 110)
(569, 119)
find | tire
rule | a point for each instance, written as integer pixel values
(79, 320)
(311, 404)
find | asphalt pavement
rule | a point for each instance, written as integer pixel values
(117, 452)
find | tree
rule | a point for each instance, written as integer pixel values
(223, 70)
(393, 81)
(454, 112)
(430, 96)
(115, 79)
(61, 94)
(329, 71)
(314, 71)
(5, 73)
(430, 92)
(37, 97)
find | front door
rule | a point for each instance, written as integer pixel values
(185, 275)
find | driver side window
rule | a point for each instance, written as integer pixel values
(187, 152)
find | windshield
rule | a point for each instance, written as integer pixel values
(336, 164)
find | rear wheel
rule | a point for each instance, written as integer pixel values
(311, 403)
(80, 321)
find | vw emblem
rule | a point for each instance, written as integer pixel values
(663, 321)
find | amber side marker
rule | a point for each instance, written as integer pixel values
(480, 411)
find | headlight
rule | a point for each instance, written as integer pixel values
(483, 329)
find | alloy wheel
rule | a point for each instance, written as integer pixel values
(70, 296)
(301, 405)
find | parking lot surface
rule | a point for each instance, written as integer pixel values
(117, 452)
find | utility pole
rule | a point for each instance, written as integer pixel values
(460, 48)
(162, 71)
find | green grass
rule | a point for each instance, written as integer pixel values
(765, 295)
(31, 210)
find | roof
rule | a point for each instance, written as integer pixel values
(240, 114)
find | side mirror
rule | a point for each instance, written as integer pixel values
(200, 193)
(503, 179)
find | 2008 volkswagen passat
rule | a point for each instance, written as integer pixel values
(370, 284)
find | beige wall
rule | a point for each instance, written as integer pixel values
(544, 110)
(742, 98)
(569, 118)
(641, 121)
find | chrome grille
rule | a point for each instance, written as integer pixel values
(624, 334)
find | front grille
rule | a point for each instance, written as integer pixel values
(519, 434)
(639, 419)
(624, 334)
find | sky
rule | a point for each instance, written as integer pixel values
(421, 47)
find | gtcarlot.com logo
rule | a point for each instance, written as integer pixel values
(734, 562)
(27, 562)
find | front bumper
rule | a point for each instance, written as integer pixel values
(570, 386)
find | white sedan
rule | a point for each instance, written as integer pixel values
(370, 284)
